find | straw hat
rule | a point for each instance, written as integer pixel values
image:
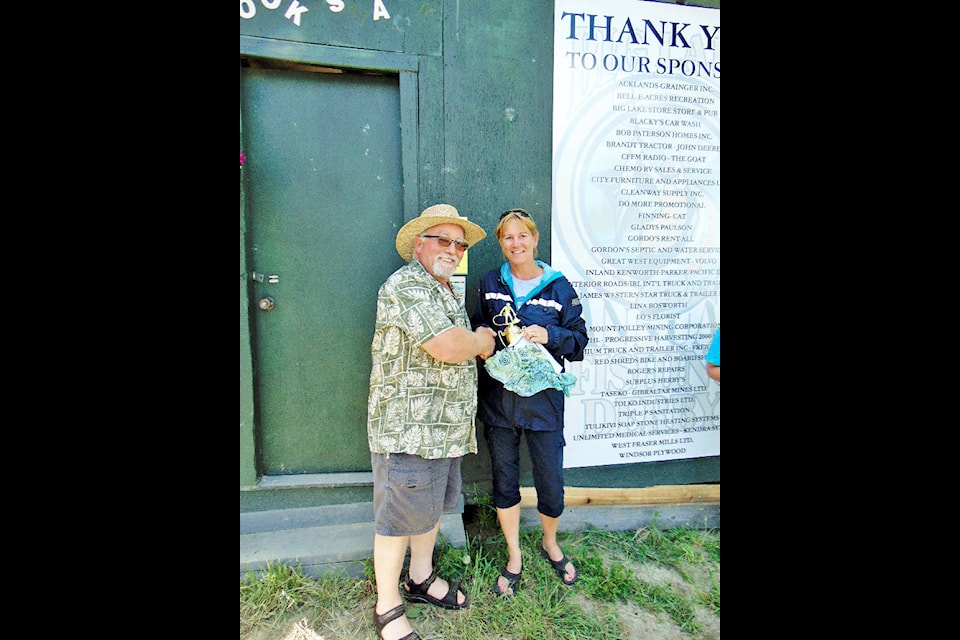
(430, 217)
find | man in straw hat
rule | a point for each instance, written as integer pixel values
(421, 411)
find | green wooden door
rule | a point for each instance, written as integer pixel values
(325, 201)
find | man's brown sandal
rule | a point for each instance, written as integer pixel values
(382, 620)
(418, 593)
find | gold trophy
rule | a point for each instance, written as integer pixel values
(508, 319)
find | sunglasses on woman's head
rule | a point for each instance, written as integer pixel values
(519, 212)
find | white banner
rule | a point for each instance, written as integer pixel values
(636, 224)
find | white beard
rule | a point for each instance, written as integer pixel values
(443, 268)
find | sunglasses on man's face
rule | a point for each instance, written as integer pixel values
(519, 212)
(445, 242)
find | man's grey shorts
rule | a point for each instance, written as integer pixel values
(410, 493)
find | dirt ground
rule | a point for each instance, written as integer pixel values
(643, 624)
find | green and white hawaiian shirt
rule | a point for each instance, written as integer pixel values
(418, 404)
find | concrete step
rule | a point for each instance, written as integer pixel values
(330, 539)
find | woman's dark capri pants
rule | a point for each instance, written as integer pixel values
(546, 455)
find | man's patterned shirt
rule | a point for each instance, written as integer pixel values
(418, 404)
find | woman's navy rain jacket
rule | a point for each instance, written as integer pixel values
(553, 304)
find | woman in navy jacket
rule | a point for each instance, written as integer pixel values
(549, 313)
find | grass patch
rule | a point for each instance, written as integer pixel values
(674, 574)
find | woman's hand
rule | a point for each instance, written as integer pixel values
(535, 333)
